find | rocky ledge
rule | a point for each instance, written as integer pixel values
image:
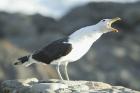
(33, 85)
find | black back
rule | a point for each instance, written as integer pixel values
(53, 51)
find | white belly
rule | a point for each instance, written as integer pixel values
(81, 47)
(78, 51)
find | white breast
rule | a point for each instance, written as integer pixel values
(81, 47)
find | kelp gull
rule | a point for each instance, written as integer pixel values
(71, 48)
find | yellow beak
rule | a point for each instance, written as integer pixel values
(112, 21)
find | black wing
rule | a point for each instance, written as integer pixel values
(53, 51)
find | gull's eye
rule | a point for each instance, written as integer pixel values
(103, 20)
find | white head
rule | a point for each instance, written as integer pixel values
(101, 27)
(105, 25)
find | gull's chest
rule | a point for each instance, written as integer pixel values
(79, 50)
(81, 47)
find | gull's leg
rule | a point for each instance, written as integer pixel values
(58, 71)
(66, 72)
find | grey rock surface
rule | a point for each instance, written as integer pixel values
(33, 85)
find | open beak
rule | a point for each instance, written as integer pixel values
(112, 21)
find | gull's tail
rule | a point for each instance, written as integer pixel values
(23, 61)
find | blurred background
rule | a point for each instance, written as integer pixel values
(27, 25)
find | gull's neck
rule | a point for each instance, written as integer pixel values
(90, 33)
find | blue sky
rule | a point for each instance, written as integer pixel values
(53, 8)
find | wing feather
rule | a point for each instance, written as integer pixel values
(53, 51)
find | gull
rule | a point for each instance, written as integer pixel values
(70, 48)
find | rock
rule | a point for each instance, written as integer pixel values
(17, 85)
(98, 85)
(42, 87)
(33, 85)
